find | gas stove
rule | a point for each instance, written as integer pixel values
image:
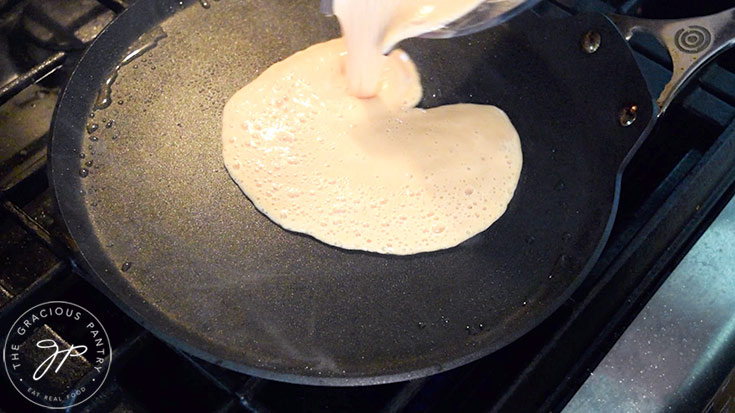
(650, 329)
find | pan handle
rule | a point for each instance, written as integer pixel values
(691, 43)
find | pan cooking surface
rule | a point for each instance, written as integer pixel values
(165, 230)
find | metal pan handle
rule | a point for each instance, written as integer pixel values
(691, 43)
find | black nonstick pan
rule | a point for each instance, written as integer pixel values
(163, 229)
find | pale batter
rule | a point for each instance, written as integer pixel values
(368, 174)
(372, 27)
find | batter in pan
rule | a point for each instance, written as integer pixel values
(353, 163)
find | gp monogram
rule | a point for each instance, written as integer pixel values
(47, 369)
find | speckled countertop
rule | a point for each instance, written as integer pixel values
(682, 344)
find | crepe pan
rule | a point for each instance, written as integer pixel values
(163, 230)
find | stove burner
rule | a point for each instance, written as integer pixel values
(64, 24)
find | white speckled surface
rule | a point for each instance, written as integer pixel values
(682, 337)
